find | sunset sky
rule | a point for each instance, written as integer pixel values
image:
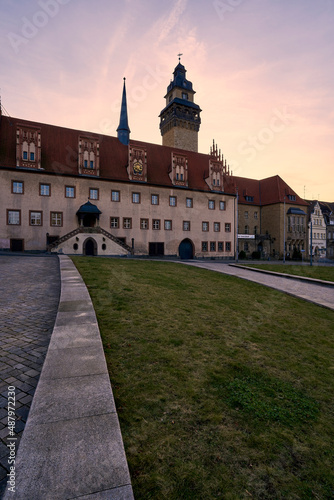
(263, 72)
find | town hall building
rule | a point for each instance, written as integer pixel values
(82, 193)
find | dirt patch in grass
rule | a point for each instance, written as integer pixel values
(224, 388)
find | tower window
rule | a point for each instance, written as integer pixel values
(185, 96)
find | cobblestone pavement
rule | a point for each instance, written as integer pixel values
(319, 294)
(29, 297)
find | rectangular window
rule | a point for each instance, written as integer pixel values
(45, 190)
(220, 246)
(56, 219)
(144, 224)
(168, 225)
(172, 201)
(186, 225)
(204, 246)
(211, 204)
(212, 246)
(246, 215)
(25, 155)
(155, 199)
(228, 246)
(32, 156)
(205, 226)
(222, 205)
(255, 215)
(35, 218)
(216, 227)
(127, 223)
(189, 202)
(135, 197)
(227, 227)
(14, 217)
(156, 224)
(69, 191)
(17, 187)
(114, 222)
(91, 164)
(93, 194)
(115, 196)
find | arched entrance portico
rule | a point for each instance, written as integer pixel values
(186, 249)
(89, 247)
(88, 215)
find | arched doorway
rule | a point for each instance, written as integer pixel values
(186, 249)
(90, 247)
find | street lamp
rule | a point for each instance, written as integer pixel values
(311, 243)
(284, 235)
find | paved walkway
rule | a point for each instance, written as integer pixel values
(72, 445)
(29, 292)
(309, 290)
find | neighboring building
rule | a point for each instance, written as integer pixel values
(270, 216)
(82, 193)
(328, 212)
(316, 231)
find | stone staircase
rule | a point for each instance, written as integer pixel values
(88, 230)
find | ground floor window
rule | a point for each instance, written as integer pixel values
(204, 246)
(144, 224)
(156, 249)
(16, 245)
(220, 246)
(212, 246)
(14, 217)
(36, 218)
(56, 219)
(156, 224)
(114, 222)
(127, 223)
(228, 246)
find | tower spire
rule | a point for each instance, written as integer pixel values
(123, 130)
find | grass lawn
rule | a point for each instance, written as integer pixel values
(318, 272)
(224, 388)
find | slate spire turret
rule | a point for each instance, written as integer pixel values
(123, 130)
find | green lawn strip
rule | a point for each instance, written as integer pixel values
(325, 273)
(224, 389)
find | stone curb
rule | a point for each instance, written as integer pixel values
(285, 275)
(72, 445)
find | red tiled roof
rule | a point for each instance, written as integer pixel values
(60, 155)
(266, 191)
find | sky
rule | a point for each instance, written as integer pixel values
(263, 72)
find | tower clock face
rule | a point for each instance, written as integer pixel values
(138, 167)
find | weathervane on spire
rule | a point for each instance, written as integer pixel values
(179, 56)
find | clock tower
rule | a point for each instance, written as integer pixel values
(180, 119)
